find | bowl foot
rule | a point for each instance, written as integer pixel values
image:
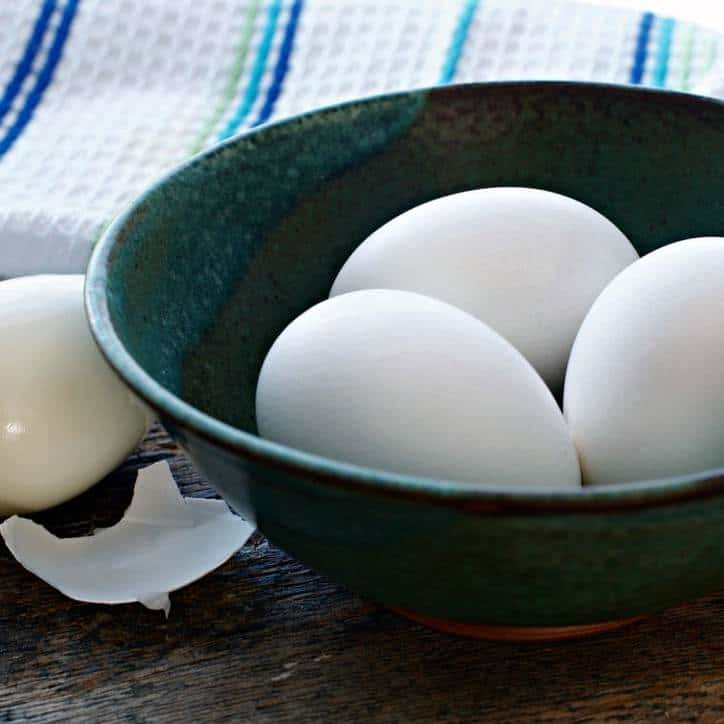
(516, 633)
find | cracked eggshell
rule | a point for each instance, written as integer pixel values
(162, 543)
(66, 420)
(644, 394)
(406, 383)
(527, 262)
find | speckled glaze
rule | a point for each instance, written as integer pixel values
(189, 287)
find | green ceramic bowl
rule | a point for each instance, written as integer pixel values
(189, 287)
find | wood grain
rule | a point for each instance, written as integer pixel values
(265, 639)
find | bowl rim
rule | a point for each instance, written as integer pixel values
(481, 497)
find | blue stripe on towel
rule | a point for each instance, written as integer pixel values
(458, 41)
(257, 71)
(25, 64)
(642, 44)
(44, 77)
(282, 65)
(662, 56)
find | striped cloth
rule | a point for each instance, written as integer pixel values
(99, 98)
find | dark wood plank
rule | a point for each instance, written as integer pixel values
(265, 639)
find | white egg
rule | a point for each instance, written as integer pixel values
(527, 262)
(406, 383)
(644, 392)
(65, 419)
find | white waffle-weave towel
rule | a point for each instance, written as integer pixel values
(98, 98)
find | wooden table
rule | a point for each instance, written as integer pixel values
(263, 638)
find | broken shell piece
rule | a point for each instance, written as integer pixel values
(162, 543)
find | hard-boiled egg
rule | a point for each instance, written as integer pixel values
(644, 393)
(406, 383)
(65, 418)
(527, 262)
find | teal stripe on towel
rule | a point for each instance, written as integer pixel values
(458, 41)
(282, 65)
(257, 71)
(661, 67)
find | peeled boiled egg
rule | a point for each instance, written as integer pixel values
(406, 383)
(644, 392)
(527, 262)
(65, 419)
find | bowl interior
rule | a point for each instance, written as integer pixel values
(208, 267)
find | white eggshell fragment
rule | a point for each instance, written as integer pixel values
(65, 418)
(527, 262)
(163, 542)
(644, 393)
(406, 383)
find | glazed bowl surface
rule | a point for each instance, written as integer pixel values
(189, 287)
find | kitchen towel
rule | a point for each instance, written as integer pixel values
(99, 98)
